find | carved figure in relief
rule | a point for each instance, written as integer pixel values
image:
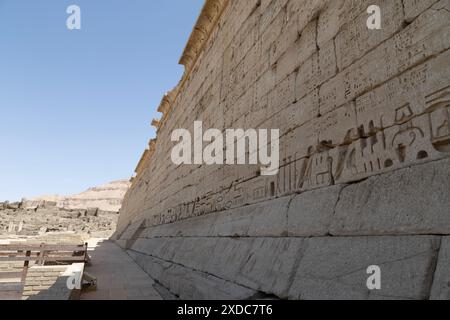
(438, 108)
(363, 151)
(403, 114)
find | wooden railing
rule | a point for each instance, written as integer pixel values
(39, 255)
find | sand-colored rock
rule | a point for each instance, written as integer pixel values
(107, 197)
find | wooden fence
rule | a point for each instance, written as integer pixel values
(34, 255)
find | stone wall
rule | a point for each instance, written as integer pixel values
(364, 119)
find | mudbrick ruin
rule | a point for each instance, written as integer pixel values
(364, 119)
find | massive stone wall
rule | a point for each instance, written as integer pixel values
(364, 119)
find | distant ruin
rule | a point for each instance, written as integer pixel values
(364, 119)
(93, 213)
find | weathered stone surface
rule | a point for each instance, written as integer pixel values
(190, 284)
(355, 39)
(310, 213)
(263, 264)
(415, 7)
(335, 268)
(415, 200)
(441, 283)
(267, 219)
(316, 268)
(92, 212)
(364, 121)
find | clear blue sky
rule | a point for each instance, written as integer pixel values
(76, 106)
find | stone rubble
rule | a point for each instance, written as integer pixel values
(46, 218)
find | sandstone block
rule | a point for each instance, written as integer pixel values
(414, 8)
(316, 70)
(266, 219)
(311, 213)
(262, 264)
(330, 21)
(261, 219)
(441, 284)
(92, 212)
(303, 46)
(335, 268)
(270, 13)
(270, 265)
(190, 284)
(306, 11)
(409, 201)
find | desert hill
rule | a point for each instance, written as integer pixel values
(106, 197)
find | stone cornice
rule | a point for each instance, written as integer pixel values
(209, 16)
(167, 102)
(152, 145)
(156, 123)
(208, 19)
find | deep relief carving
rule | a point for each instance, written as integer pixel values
(438, 107)
(360, 153)
(167, 102)
(387, 109)
(156, 123)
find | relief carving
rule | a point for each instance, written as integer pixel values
(438, 107)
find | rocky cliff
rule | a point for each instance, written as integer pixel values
(364, 120)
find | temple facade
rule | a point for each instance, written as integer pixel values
(364, 178)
